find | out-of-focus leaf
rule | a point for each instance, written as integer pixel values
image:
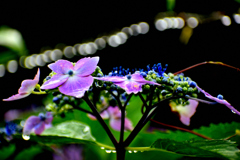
(71, 129)
(28, 153)
(200, 148)
(12, 39)
(170, 5)
(6, 151)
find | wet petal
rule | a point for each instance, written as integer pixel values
(138, 78)
(17, 96)
(76, 86)
(55, 81)
(221, 101)
(111, 79)
(30, 123)
(86, 66)
(38, 129)
(61, 66)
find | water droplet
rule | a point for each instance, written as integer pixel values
(26, 137)
(129, 151)
(113, 151)
(135, 151)
(233, 111)
(108, 151)
(102, 148)
(86, 129)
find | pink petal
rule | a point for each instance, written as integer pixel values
(37, 76)
(116, 124)
(27, 86)
(38, 129)
(76, 86)
(114, 112)
(185, 112)
(104, 115)
(224, 102)
(17, 96)
(131, 86)
(86, 66)
(49, 118)
(55, 81)
(61, 66)
(111, 79)
(30, 123)
(138, 78)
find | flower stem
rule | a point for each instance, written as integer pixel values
(207, 62)
(42, 92)
(101, 121)
(182, 129)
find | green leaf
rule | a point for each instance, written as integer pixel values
(71, 129)
(6, 151)
(29, 153)
(200, 148)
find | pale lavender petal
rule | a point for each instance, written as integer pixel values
(76, 86)
(37, 76)
(104, 115)
(130, 86)
(111, 79)
(116, 124)
(138, 78)
(49, 118)
(38, 129)
(224, 102)
(128, 125)
(86, 66)
(186, 112)
(55, 81)
(27, 86)
(114, 112)
(17, 96)
(61, 66)
(185, 120)
(30, 123)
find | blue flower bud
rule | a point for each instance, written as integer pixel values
(65, 98)
(192, 84)
(42, 116)
(179, 89)
(48, 77)
(55, 99)
(220, 96)
(143, 74)
(129, 76)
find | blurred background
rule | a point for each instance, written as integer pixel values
(131, 34)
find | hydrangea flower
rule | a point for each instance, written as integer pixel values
(185, 112)
(68, 152)
(72, 80)
(219, 100)
(26, 88)
(37, 124)
(114, 116)
(130, 83)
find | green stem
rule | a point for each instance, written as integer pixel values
(101, 121)
(42, 92)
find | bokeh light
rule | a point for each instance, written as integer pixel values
(12, 66)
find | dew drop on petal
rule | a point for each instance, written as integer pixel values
(233, 111)
(108, 151)
(26, 137)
